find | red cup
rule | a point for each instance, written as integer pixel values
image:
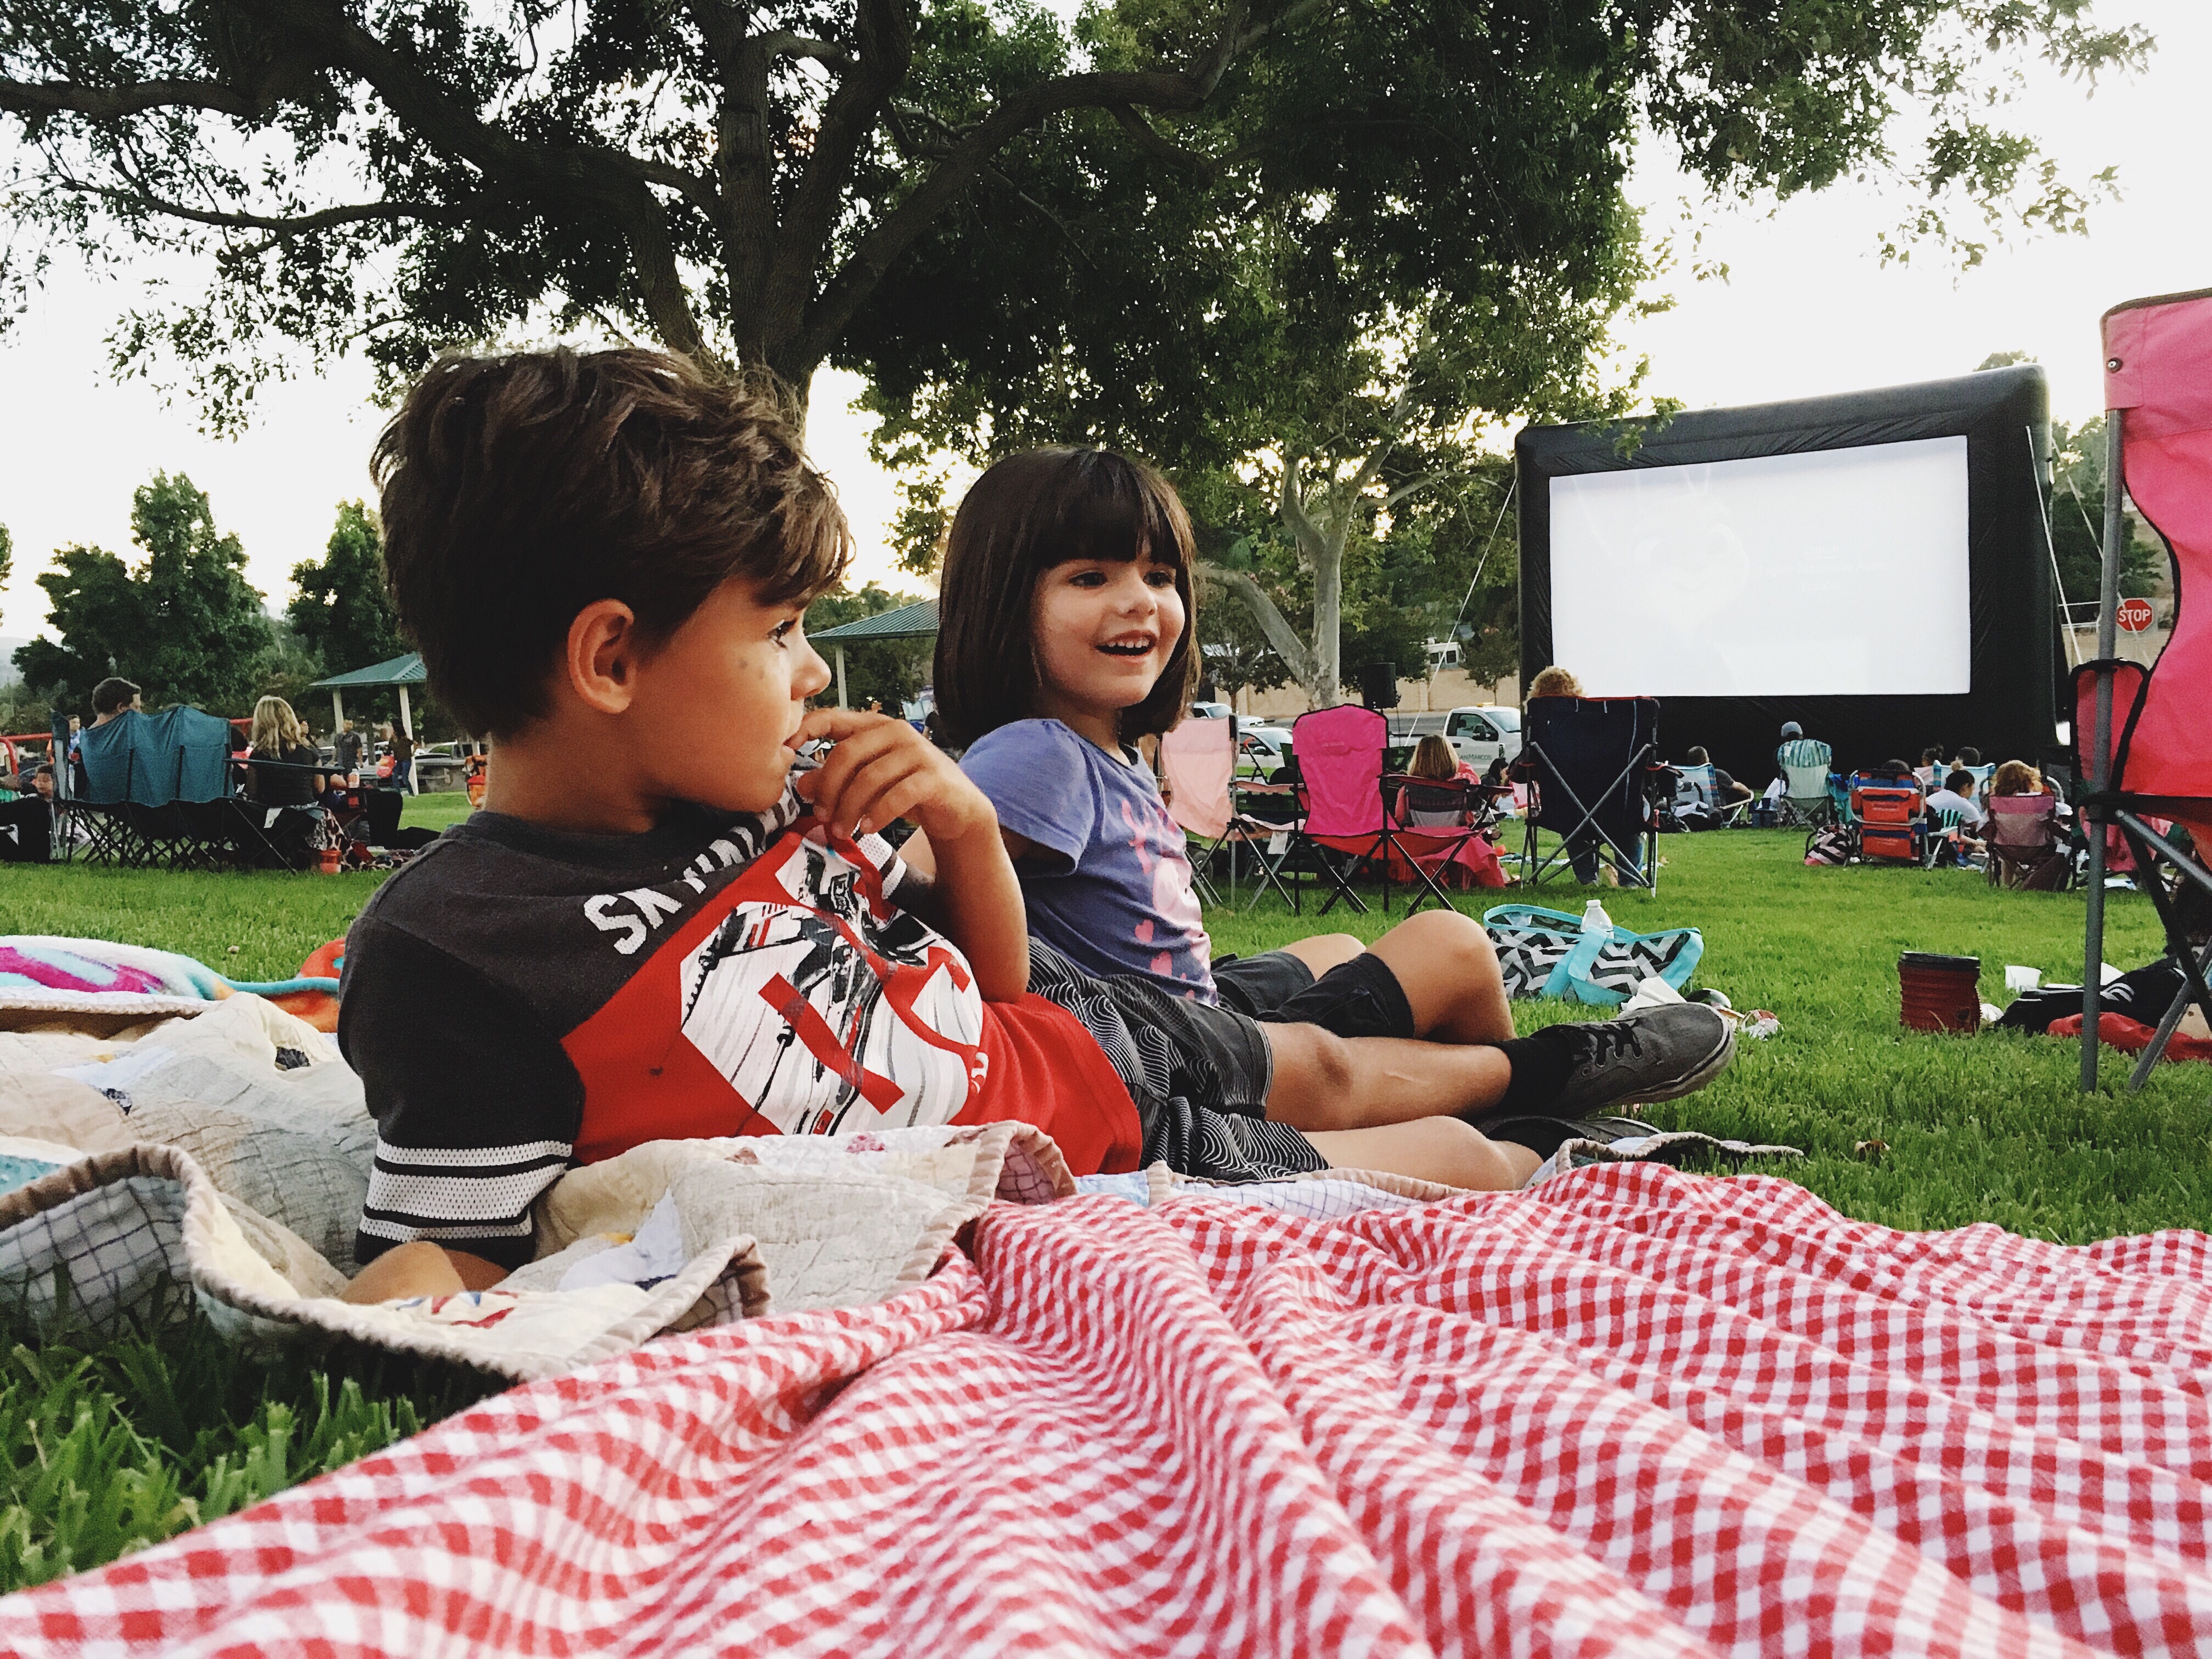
(1940, 993)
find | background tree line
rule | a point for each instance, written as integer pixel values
(181, 621)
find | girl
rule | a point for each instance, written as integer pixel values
(279, 737)
(1064, 637)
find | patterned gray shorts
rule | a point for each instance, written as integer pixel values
(1199, 1073)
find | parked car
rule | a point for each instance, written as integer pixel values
(1261, 750)
(1211, 711)
(1479, 735)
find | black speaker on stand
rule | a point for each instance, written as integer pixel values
(1378, 685)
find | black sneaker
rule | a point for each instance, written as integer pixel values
(1656, 1053)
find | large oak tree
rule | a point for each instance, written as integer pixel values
(740, 181)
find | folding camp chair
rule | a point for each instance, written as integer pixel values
(1888, 820)
(2026, 848)
(1340, 754)
(107, 778)
(1198, 759)
(1590, 762)
(2144, 744)
(1946, 833)
(1697, 789)
(1807, 800)
(1432, 823)
(262, 837)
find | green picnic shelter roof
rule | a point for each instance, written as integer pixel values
(400, 671)
(908, 622)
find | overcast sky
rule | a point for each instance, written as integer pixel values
(1808, 309)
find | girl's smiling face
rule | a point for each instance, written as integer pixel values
(1103, 631)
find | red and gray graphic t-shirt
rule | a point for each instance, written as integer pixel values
(519, 999)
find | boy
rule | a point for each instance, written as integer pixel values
(657, 928)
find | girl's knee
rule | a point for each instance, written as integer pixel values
(1446, 941)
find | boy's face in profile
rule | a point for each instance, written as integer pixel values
(716, 704)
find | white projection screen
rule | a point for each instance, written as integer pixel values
(1829, 573)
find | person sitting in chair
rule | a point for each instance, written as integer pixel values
(1957, 795)
(1417, 809)
(1727, 792)
(27, 824)
(1584, 846)
(279, 737)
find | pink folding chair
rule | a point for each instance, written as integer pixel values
(2141, 734)
(2022, 837)
(1340, 755)
(1198, 761)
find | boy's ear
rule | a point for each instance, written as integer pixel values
(603, 656)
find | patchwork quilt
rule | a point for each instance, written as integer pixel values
(228, 1153)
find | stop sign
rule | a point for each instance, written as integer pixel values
(2134, 616)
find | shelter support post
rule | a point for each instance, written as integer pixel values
(2100, 739)
(337, 713)
(406, 715)
(842, 703)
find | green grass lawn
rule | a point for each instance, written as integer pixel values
(103, 1450)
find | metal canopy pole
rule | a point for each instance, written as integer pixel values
(2100, 761)
(842, 703)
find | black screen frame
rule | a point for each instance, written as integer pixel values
(2013, 702)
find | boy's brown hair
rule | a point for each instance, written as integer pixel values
(518, 489)
(1027, 514)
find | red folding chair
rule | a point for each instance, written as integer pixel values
(1435, 825)
(2140, 736)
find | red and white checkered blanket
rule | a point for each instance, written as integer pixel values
(1631, 1411)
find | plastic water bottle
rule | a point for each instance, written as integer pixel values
(1595, 919)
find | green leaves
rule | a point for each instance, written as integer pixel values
(343, 612)
(184, 624)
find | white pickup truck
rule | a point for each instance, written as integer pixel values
(1480, 734)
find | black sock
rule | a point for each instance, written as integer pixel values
(1541, 1063)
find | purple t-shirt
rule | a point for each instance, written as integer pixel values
(1109, 883)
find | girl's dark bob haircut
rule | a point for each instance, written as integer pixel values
(1029, 514)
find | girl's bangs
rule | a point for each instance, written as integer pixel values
(1111, 512)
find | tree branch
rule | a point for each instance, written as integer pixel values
(785, 44)
(112, 103)
(1413, 488)
(1154, 143)
(883, 31)
(555, 175)
(1295, 655)
(1308, 534)
(303, 224)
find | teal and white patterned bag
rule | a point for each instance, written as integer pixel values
(1548, 953)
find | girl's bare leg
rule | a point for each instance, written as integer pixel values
(1447, 967)
(1325, 950)
(1441, 1149)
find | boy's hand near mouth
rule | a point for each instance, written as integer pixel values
(959, 877)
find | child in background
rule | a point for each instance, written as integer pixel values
(1091, 553)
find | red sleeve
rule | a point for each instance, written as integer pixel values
(1047, 1069)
